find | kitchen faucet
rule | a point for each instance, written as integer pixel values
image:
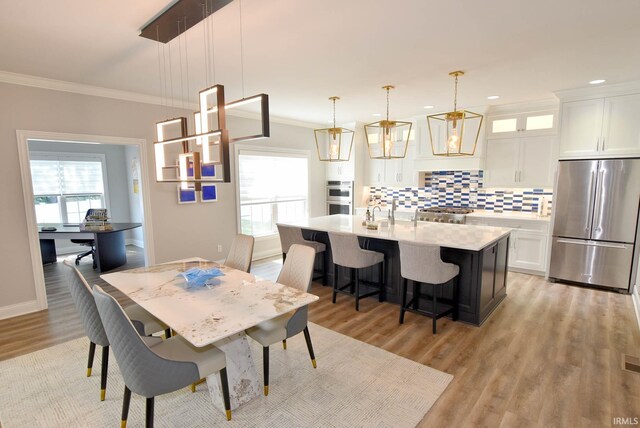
(392, 213)
(373, 212)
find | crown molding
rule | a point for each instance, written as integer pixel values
(599, 91)
(99, 91)
(525, 106)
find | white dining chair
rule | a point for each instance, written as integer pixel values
(296, 272)
(240, 253)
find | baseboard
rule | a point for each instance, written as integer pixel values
(636, 303)
(259, 255)
(19, 309)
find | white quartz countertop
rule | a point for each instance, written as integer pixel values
(509, 215)
(459, 236)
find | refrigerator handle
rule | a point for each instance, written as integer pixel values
(589, 202)
(597, 209)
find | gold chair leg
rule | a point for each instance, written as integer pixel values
(284, 344)
(103, 393)
(193, 385)
(228, 415)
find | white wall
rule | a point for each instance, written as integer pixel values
(132, 166)
(179, 230)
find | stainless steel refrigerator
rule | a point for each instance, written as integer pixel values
(595, 230)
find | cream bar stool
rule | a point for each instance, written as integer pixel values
(292, 235)
(346, 252)
(421, 263)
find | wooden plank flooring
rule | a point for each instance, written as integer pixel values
(549, 356)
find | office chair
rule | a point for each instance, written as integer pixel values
(86, 242)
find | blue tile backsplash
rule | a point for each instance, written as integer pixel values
(463, 189)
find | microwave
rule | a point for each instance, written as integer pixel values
(339, 191)
(339, 197)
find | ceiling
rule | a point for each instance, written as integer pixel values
(301, 52)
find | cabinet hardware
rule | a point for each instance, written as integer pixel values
(598, 144)
(515, 176)
(602, 144)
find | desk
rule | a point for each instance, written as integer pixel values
(109, 244)
(218, 315)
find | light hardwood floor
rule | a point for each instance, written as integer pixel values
(549, 356)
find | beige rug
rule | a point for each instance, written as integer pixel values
(355, 385)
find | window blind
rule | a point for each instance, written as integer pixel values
(62, 177)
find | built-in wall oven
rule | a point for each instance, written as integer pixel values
(339, 197)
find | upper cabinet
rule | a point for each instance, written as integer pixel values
(343, 171)
(393, 172)
(520, 162)
(522, 124)
(601, 127)
(521, 147)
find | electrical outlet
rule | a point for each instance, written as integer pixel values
(219, 248)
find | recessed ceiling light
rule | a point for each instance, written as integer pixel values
(493, 97)
(376, 114)
(597, 81)
(428, 106)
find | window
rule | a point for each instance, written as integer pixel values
(273, 188)
(66, 186)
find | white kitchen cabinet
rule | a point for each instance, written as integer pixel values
(341, 170)
(393, 172)
(621, 126)
(520, 162)
(527, 243)
(522, 124)
(601, 127)
(528, 250)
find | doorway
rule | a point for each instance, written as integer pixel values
(86, 171)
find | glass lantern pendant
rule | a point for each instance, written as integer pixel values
(388, 139)
(454, 133)
(334, 144)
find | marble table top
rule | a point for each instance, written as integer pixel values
(459, 236)
(206, 315)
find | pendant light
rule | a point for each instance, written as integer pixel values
(387, 139)
(194, 159)
(334, 144)
(454, 133)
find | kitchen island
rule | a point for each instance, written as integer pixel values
(480, 251)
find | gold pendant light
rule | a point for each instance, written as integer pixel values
(334, 144)
(454, 133)
(387, 139)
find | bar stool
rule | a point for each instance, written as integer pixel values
(421, 263)
(291, 235)
(347, 253)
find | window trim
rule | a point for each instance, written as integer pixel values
(71, 156)
(266, 151)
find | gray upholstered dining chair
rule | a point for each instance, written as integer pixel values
(290, 235)
(151, 366)
(296, 272)
(82, 297)
(421, 263)
(240, 253)
(346, 252)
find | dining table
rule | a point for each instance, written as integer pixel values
(215, 314)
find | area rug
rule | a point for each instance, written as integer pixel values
(355, 385)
